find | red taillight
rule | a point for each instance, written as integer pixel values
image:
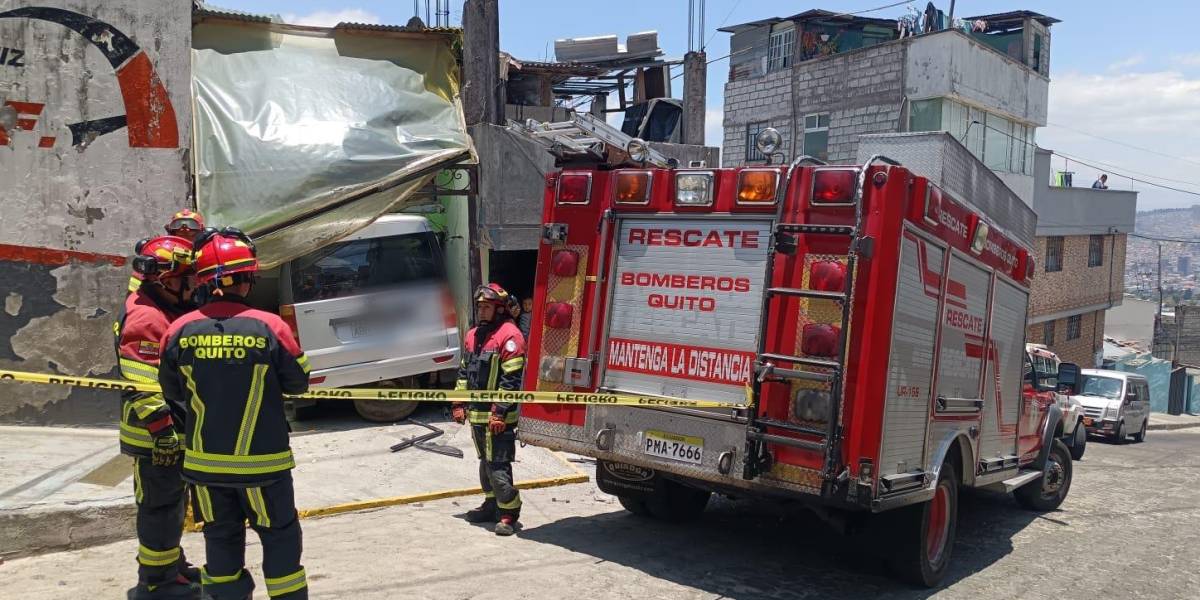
(834, 186)
(827, 276)
(316, 380)
(287, 312)
(820, 339)
(442, 359)
(558, 315)
(574, 188)
(449, 315)
(564, 263)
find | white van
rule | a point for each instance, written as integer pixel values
(373, 309)
(1115, 404)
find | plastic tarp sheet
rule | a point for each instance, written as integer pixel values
(305, 136)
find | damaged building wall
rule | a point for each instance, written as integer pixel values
(94, 130)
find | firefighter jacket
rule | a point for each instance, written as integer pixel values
(228, 366)
(494, 359)
(138, 331)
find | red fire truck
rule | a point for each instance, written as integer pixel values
(865, 327)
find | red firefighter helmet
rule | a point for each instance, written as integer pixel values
(493, 294)
(162, 257)
(222, 253)
(185, 221)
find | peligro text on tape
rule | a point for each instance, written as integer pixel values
(515, 397)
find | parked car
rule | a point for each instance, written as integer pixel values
(372, 309)
(1041, 384)
(1115, 404)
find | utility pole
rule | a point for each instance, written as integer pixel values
(695, 82)
(483, 102)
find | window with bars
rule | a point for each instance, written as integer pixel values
(1048, 333)
(1074, 327)
(1054, 253)
(752, 130)
(779, 48)
(1096, 251)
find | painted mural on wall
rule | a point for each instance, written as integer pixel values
(94, 134)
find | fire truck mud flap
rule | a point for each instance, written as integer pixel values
(1053, 424)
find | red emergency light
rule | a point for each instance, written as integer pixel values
(574, 188)
(834, 186)
(558, 315)
(564, 263)
(827, 276)
(820, 339)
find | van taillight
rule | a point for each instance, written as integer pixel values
(287, 312)
(820, 339)
(564, 263)
(827, 276)
(558, 315)
(834, 186)
(450, 316)
(574, 188)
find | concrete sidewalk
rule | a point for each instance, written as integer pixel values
(1165, 422)
(66, 488)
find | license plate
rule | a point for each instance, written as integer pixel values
(1087, 421)
(683, 448)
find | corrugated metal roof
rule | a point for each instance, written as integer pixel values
(204, 9)
(411, 27)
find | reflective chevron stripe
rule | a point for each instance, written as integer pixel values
(278, 586)
(157, 558)
(513, 365)
(250, 414)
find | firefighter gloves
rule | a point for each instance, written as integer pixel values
(496, 424)
(166, 451)
(459, 414)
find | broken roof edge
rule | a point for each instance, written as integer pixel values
(817, 14)
(1013, 15)
(203, 11)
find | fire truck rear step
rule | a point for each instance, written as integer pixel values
(1020, 480)
(785, 441)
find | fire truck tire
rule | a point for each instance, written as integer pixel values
(636, 506)
(387, 411)
(677, 503)
(924, 534)
(1079, 444)
(1048, 491)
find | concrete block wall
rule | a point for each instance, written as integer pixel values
(1077, 285)
(862, 91)
(1082, 350)
(767, 98)
(74, 203)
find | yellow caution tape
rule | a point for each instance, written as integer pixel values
(518, 397)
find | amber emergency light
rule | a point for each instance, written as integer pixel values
(757, 186)
(633, 187)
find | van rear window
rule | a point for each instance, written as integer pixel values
(371, 265)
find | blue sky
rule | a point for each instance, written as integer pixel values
(1118, 70)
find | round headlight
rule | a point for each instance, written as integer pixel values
(638, 150)
(768, 141)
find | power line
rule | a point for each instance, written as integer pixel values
(1127, 145)
(1163, 239)
(1100, 162)
(727, 15)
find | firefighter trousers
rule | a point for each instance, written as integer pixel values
(496, 453)
(160, 497)
(271, 512)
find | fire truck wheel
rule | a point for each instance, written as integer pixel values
(387, 411)
(677, 503)
(636, 506)
(924, 534)
(1048, 491)
(1080, 442)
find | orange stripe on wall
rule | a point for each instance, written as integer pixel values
(52, 257)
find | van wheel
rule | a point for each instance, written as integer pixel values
(1079, 444)
(1141, 435)
(676, 502)
(300, 413)
(388, 411)
(1122, 434)
(1048, 491)
(636, 506)
(924, 534)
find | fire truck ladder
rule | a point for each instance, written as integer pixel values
(768, 366)
(583, 134)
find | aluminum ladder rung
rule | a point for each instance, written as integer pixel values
(792, 427)
(815, 229)
(766, 373)
(785, 441)
(802, 293)
(800, 360)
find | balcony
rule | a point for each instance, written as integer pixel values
(1079, 210)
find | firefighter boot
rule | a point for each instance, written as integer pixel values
(506, 526)
(485, 513)
(180, 589)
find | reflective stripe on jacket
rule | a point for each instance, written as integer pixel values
(496, 362)
(138, 332)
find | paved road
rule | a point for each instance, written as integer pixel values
(1130, 529)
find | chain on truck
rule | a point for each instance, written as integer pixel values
(865, 325)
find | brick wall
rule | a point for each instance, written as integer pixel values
(760, 99)
(1082, 350)
(1077, 285)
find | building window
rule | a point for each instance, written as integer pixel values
(1002, 144)
(752, 153)
(1096, 251)
(1054, 253)
(816, 136)
(1048, 333)
(1074, 325)
(779, 48)
(925, 115)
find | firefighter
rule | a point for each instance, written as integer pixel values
(494, 359)
(228, 366)
(186, 224)
(149, 430)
